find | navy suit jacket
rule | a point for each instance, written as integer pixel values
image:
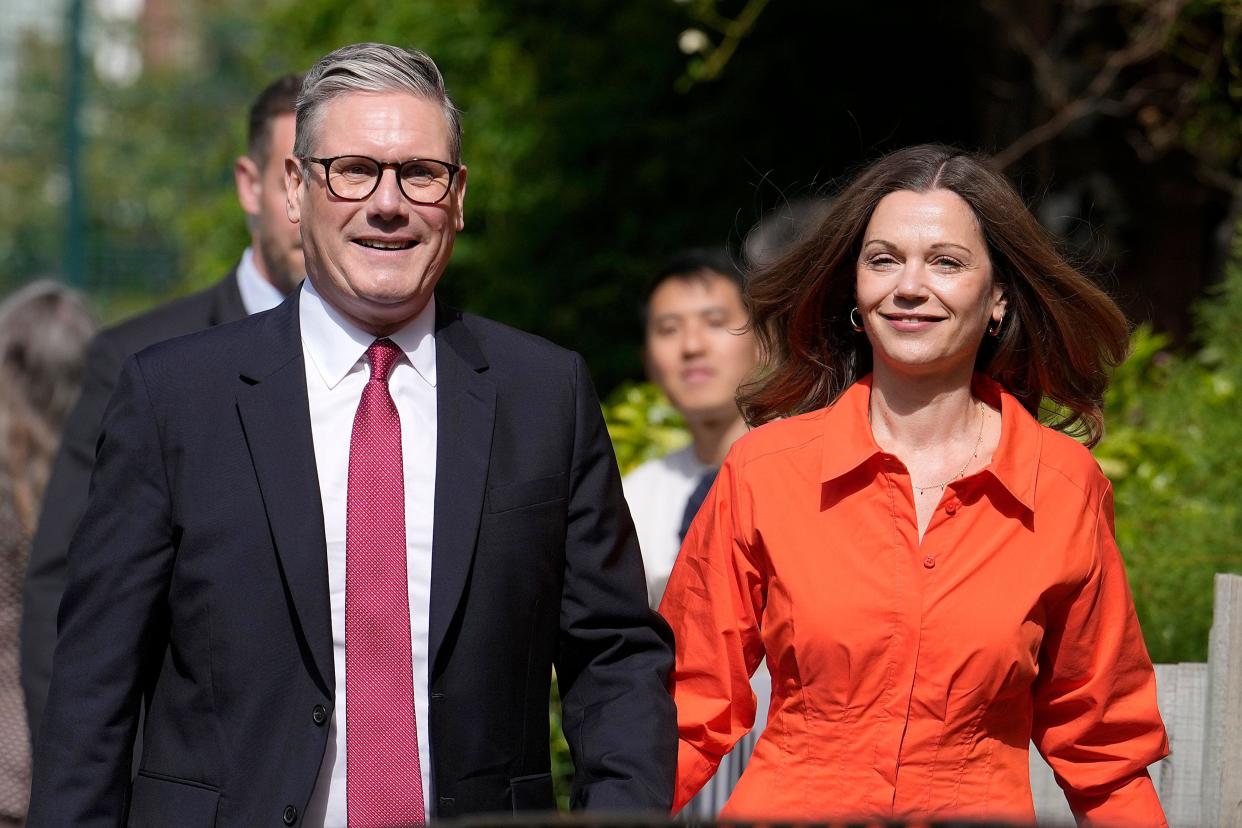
(198, 579)
(65, 498)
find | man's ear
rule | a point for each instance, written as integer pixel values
(249, 181)
(293, 189)
(460, 184)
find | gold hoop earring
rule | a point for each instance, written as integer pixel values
(857, 326)
(994, 327)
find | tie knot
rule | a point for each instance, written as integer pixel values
(382, 355)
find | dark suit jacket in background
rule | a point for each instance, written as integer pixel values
(65, 500)
(199, 578)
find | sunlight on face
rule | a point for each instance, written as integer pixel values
(924, 284)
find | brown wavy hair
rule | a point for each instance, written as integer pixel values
(1062, 334)
(44, 331)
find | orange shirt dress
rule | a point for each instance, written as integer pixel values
(909, 678)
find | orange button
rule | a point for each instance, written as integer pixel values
(929, 562)
(951, 507)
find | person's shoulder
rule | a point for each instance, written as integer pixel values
(220, 351)
(778, 438)
(502, 342)
(1065, 462)
(171, 319)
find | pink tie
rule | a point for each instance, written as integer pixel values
(384, 782)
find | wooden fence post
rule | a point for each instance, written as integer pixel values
(1222, 747)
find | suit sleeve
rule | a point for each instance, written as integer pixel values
(63, 505)
(113, 621)
(615, 653)
(714, 600)
(1095, 714)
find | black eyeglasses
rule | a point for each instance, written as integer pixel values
(355, 177)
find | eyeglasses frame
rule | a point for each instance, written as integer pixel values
(396, 166)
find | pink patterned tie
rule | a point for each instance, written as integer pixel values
(384, 782)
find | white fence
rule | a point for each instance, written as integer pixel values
(1200, 783)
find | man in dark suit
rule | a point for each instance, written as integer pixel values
(339, 546)
(269, 269)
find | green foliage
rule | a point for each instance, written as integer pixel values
(1173, 449)
(643, 424)
(562, 762)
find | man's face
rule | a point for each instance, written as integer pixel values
(376, 260)
(696, 350)
(276, 241)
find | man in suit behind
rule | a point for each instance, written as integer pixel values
(269, 269)
(340, 546)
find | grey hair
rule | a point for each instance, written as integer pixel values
(371, 67)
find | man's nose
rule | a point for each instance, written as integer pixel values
(387, 200)
(692, 340)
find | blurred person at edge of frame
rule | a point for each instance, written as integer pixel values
(269, 269)
(44, 329)
(929, 571)
(698, 350)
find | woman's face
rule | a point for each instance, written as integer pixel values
(924, 284)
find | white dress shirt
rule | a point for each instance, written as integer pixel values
(257, 293)
(336, 371)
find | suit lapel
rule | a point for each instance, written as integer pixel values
(275, 413)
(465, 412)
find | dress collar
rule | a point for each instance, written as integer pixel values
(1015, 463)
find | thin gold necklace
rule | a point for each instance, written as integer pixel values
(973, 454)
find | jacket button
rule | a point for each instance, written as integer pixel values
(929, 562)
(290, 815)
(951, 507)
(319, 715)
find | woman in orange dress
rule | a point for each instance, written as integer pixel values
(930, 572)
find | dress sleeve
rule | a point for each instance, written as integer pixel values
(1095, 714)
(714, 600)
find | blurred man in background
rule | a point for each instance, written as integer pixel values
(698, 351)
(269, 269)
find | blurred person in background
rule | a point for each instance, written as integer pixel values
(930, 572)
(782, 227)
(44, 329)
(698, 350)
(269, 269)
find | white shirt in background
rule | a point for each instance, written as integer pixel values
(257, 293)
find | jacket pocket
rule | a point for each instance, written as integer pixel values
(526, 493)
(159, 801)
(532, 793)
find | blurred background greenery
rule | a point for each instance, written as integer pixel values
(602, 136)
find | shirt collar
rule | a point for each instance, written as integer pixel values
(1015, 463)
(257, 293)
(335, 345)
